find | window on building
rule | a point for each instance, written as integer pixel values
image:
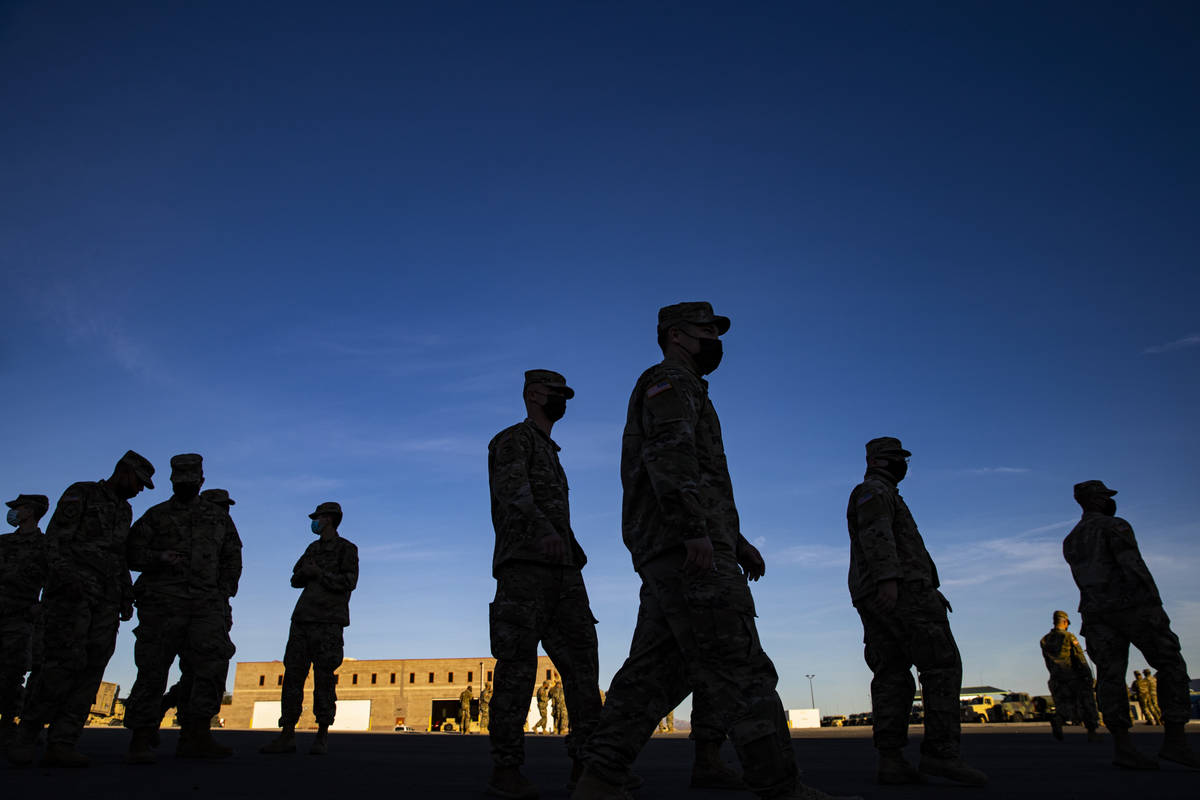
(373, 677)
(547, 674)
(470, 677)
(279, 681)
(393, 677)
(354, 678)
(489, 676)
(431, 677)
(262, 680)
(412, 677)
(450, 677)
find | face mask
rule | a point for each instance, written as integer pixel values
(187, 491)
(554, 407)
(1109, 506)
(709, 356)
(898, 468)
(316, 526)
(14, 517)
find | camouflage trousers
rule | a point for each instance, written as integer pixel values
(16, 657)
(177, 696)
(704, 720)
(1074, 700)
(1148, 628)
(195, 632)
(464, 718)
(484, 716)
(318, 645)
(80, 635)
(1155, 712)
(541, 603)
(543, 723)
(915, 633)
(696, 633)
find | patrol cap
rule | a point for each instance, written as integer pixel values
(697, 313)
(140, 465)
(1093, 489)
(326, 508)
(187, 467)
(38, 501)
(218, 496)
(548, 377)
(1061, 615)
(886, 446)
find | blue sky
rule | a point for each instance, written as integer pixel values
(320, 244)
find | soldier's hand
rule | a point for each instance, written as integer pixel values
(751, 561)
(886, 595)
(699, 555)
(553, 547)
(310, 570)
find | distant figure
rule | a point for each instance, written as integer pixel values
(1120, 605)
(667, 724)
(23, 567)
(559, 708)
(328, 573)
(695, 626)
(1071, 679)
(189, 554)
(464, 710)
(894, 586)
(485, 710)
(542, 696)
(1153, 680)
(540, 593)
(88, 594)
(1146, 690)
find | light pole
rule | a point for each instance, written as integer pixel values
(811, 697)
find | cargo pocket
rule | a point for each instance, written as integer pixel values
(512, 624)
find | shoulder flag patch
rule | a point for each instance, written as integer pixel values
(658, 389)
(864, 497)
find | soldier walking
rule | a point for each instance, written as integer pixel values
(894, 587)
(1120, 605)
(1071, 679)
(1141, 692)
(542, 696)
(87, 595)
(485, 702)
(1153, 687)
(327, 573)
(464, 710)
(559, 708)
(189, 555)
(540, 593)
(695, 627)
(23, 566)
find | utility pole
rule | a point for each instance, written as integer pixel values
(811, 697)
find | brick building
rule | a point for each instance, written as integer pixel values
(372, 695)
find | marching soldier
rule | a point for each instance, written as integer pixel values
(23, 566)
(543, 703)
(1070, 679)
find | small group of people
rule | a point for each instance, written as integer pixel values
(64, 594)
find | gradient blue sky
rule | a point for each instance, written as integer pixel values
(319, 243)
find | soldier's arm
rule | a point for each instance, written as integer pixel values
(300, 577)
(875, 511)
(346, 577)
(670, 411)
(510, 482)
(230, 565)
(1123, 546)
(61, 534)
(138, 551)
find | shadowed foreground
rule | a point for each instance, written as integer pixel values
(1022, 761)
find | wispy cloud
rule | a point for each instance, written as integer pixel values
(815, 556)
(1192, 340)
(994, 471)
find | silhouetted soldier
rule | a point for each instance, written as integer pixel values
(328, 573)
(23, 566)
(485, 710)
(189, 555)
(88, 593)
(464, 710)
(1120, 605)
(894, 587)
(1071, 679)
(540, 593)
(695, 626)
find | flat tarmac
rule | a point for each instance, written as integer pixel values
(1022, 760)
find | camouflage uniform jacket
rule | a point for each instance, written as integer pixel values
(203, 534)
(1107, 565)
(23, 564)
(543, 695)
(85, 543)
(673, 468)
(885, 544)
(1141, 688)
(464, 700)
(1063, 655)
(326, 598)
(529, 496)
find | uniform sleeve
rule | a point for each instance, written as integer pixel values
(1049, 650)
(230, 564)
(1123, 546)
(138, 553)
(670, 412)
(510, 482)
(346, 578)
(62, 531)
(875, 510)
(299, 580)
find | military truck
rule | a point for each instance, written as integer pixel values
(106, 708)
(977, 709)
(1021, 707)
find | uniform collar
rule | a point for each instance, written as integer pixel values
(542, 434)
(683, 365)
(881, 474)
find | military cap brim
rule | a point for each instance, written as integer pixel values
(140, 465)
(326, 508)
(39, 501)
(693, 313)
(550, 379)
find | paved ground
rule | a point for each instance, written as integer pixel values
(1023, 761)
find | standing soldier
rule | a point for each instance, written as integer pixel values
(328, 573)
(190, 557)
(485, 701)
(1121, 606)
(543, 699)
(559, 708)
(1071, 679)
(1153, 682)
(22, 575)
(695, 627)
(88, 593)
(1141, 688)
(540, 594)
(894, 587)
(464, 710)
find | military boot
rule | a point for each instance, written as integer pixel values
(1175, 747)
(509, 782)
(1056, 727)
(634, 781)
(64, 755)
(592, 787)
(141, 747)
(1126, 756)
(24, 745)
(710, 772)
(894, 769)
(954, 769)
(320, 745)
(285, 742)
(1093, 735)
(199, 743)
